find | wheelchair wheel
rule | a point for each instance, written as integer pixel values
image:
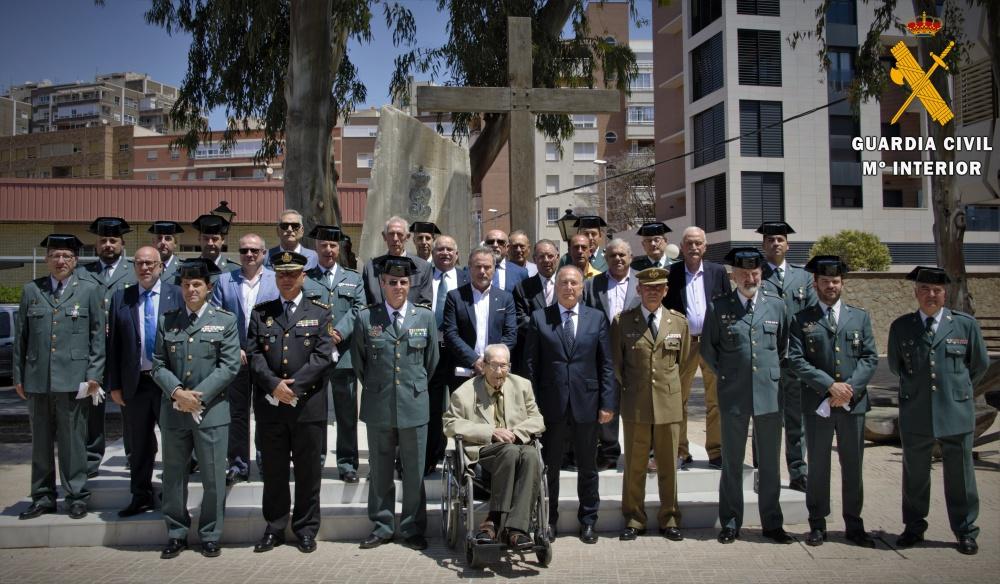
(450, 504)
(544, 551)
(471, 558)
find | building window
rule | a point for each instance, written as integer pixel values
(208, 175)
(763, 197)
(610, 137)
(175, 176)
(192, 176)
(364, 159)
(709, 129)
(710, 203)
(763, 119)
(584, 150)
(842, 131)
(94, 170)
(841, 71)
(123, 171)
(551, 215)
(642, 81)
(982, 218)
(706, 67)
(845, 197)
(551, 152)
(151, 155)
(364, 180)
(152, 176)
(175, 154)
(842, 12)
(759, 57)
(758, 7)
(123, 147)
(584, 121)
(640, 115)
(584, 179)
(703, 13)
(552, 183)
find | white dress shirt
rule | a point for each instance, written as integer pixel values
(55, 284)
(481, 304)
(502, 274)
(694, 295)
(937, 318)
(616, 295)
(114, 266)
(656, 319)
(401, 310)
(575, 317)
(549, 289)
(295, 302)
(144, 363)
(826, 309)
(328, 278)
(248, 291)
(450, 279)
(201, 311)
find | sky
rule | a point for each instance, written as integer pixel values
(69, 40)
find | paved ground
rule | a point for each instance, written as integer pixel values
(650, 559)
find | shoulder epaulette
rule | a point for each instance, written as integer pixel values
(351, 270)
(791, 265)
(963, 314)
(223, 310)
(676, 313)
(422, 305)
(861, 308)
(766, 292)
(320, 304)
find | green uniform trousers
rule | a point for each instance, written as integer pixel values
(960, 492)
(210, 445)
(382, 445)
(767, 438)
(58, 417)
(850, 432)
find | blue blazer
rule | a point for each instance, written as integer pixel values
(312, 258)
(460, 323)
(515, 274)
(227, 295)
(124, 343)
(581, 376)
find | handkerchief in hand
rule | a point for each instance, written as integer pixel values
(335, 356)
(196, 416)
(274, 401)
(823, 410)
(96, 397)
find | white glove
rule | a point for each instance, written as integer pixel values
(96, 397)
(196, 416)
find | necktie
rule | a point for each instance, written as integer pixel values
(395, 321)
(548, 291)
(567, 328)
(442, 295)
(59, 290)
(749, 305)
(929, 327)
(192, 318)
(148, 323)
(328, 275)
(652, 325)
(289, 309)
(107, 272)
(499, 419)
(831, 317)
(781, 275)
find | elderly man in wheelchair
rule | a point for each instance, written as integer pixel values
(494, 419)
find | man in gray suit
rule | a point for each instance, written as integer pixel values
(395, 234)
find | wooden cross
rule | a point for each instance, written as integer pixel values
(522, 102)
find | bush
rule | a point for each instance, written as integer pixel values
(10, 294)
(862, 251)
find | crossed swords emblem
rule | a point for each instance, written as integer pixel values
(909, 71)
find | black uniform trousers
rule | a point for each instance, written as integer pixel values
(300, 443)
(140, 417)
(238, 392)
(440, 385)
(583, 437)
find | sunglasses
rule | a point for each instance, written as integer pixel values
(250, 250)
(496, 242)
(289, 226)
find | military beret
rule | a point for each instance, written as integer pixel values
(652, 276)
(775, 228)
(827, 265)
(424, 227)
(653, 228)
(747, 258)
(326, 233)
(109, 227)
(287, 261)
(590, 222)
(926, 275)
(211, 225)
(197, 268)
(165, 228)
(62, 241)
(399, 266)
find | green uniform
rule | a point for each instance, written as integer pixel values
(642, 262)
(937, 373)
(203, 356)
(821, 353)
(745, 352)
(394, 368)
(58, 344)
(795, 287)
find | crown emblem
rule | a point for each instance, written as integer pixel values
(286, 257)
(924, 26)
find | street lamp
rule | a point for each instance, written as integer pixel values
(565, 224)
(224, 211)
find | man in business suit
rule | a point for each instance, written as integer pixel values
(340, 288)
(518, 245)
(497, 417)
(165, 241)
(212, 231)
(394, 350)
(291, 344)
(507, 273)
(592, 227)
(475, 315)
(648, 343)
(447, 277)
(568, 359)
(744, 341)
(654, 243)
(611, 292)
(694, 282)
(238, 292)
(197, 356)
(132, 321)
(794, 285)
(110, 273)
(395, 233)
(290, 231)
(534, 293)
(59, 345)
(939, 356)
(832, 350)
(424, 233)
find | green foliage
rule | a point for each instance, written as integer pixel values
(861, 250)
(10, 294)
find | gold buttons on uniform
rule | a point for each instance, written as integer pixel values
(837, 349)
(190, 339)
(284, 361)
(397, 369)
(189, 357)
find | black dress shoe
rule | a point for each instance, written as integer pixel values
(908, 539)
(373, 541)
(778, 535)
(587, 534)
(307, 544)
(728, 535)
(194, 467)
(211, 549)
(77, 510)
(135, 508)
(173, 549)
(92, 474)
(672, 533)
(861, 538)
(234, 476)
(798, 484)
(553, 532)
(631, 533)
(34, 510)
(416, 542)
(350, 476)
(267, 543)
(607, 465)
(968, 546)
(815, 537)
(715, 463)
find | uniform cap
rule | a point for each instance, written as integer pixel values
(424, 227)
(287, 261)
(747, 258)
(653, 228)
(165, 228)
(927, 275)
(399, 266)
(590, 222)
(326, 233)
(211, 225)
(653, 276)
(109, 227)
(826, 265)
(197, 268)
(62, 241)
(775, 228)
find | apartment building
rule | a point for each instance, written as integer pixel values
(99, 152)
(14, 116)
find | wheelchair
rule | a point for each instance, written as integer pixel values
(462, 485)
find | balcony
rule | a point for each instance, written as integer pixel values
(639, 131)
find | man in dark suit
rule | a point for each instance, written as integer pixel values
(424, 233)
(693, 283)
(290, 231)
(395, 235)
(132, 321)
(507, 273)
(290, 341)
(568, 359)
(535, 293)
(110, 273)
(654, 243)
(612, 292)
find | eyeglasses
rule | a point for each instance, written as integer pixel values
(496, 242)
(250, 250)
(391, 283)
(62, 256)
(289, 226)
(499, 366)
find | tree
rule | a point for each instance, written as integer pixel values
(870, 82)
(862, 251)
(476, 55)
(631, 188)
(284, 63)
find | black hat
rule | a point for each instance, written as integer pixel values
(197, 268)
(775, 228)
(211, 225)
(399, 266)
(62, 241)
(326, 233)
(827, 265)
(345, 238)
(165, 228)
(653, 228)
(424, 227)
(590, 222)
(747, 258)
(109, 227)
(926, 275)
(287, 261)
